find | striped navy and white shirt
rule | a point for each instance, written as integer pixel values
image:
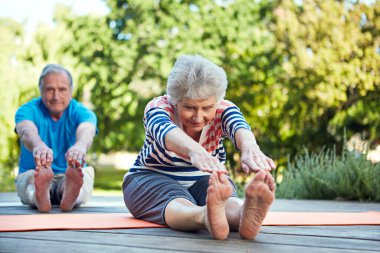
(161, 117)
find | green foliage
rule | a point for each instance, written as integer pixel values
(330, 62)
(325, 175)
(15, 91)
(295, 79)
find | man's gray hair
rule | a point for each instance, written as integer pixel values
(195, 77)
(53, 68)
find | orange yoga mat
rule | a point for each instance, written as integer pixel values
(70, 221)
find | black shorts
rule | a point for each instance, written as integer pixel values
(147, 193)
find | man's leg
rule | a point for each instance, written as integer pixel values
(25, 187)
(42, 183)
(87, 187)
(33, 188)
(84, 181)
(71, 186)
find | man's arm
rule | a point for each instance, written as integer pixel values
(76, 155)
(29, 136)
(252, 158)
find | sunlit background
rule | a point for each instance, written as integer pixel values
(304, 73)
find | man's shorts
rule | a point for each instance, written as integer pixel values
(147, 193)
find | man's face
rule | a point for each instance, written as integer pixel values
(56, 94)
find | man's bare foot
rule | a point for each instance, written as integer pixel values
(42, 180)
(72, 185)
(218, 192)
(259, 195)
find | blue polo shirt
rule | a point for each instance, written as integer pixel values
(58, 135)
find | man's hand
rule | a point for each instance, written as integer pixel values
(206, 162)
(43, 155)
(253, 159)
(76, 155)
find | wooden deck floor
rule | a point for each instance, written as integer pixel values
(271, 239)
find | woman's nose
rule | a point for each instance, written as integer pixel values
(197, 116)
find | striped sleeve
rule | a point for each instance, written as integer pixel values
(157, 124)
(232, 120)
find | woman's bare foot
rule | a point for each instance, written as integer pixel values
(42, 180)
(259, 195)
(218, 192)
(72, 185)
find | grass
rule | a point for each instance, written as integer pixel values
(109, 179)
(101, 192)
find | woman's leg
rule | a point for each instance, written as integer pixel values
(233, 204)
(246, 216)
(259, 195)
(147, 193)
(233, 211)
(182, 214)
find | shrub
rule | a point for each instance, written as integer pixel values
(325, 175)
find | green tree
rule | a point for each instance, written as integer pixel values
(128, 56)
(331, 80)
(15, 88)
(298, 72)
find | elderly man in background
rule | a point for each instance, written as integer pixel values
(55, 133)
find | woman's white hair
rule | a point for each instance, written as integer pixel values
(195, 77)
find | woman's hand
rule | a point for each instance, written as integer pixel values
(253, 159)
(206, 162)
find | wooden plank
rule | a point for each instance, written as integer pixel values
(345, 232)
(47, 246)
(348, 232)
(12, 244)
(164, 241)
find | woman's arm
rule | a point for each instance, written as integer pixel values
(179, 142)
(252, 158)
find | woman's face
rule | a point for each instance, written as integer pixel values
(195, 114)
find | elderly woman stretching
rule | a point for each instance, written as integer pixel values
(178, 178)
